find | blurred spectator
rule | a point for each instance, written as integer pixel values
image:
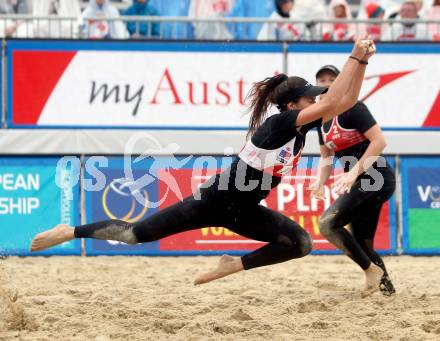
(422, 7)
(53, 28)
(339, 9)
(14, 7)
(406, 31)
(434, 14)
(250, 9)
(394, 12)
(203, 9)
(392, 7)
(138, 29)
(174, 8)
(312, 11)
(102, 29)
(14, 28)
(374, 31)
(281, 31)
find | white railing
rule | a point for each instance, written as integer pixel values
(154, 27)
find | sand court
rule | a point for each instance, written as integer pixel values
(149, 298)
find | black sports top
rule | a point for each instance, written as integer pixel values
(345, 133)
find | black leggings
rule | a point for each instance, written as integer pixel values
(361, 209)
(286, 239)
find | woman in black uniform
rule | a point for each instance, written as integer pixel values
(231, 199)
(368, 182)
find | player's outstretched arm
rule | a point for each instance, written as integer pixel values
(330, 105)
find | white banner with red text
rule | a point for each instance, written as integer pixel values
(187, 85)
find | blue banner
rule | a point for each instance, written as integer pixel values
(35, 196)
(109, 195)
(421, 205)
(114, 200)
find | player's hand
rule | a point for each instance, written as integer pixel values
(371, 50)
(363, 48)
(317, 190)
(359, 48)
(344, 182)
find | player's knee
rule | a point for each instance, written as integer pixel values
(305, 244)
(145, 233)
(297, 245)
(327, 223)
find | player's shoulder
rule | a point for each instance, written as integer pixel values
(290, 112)
(285, 115)
(282, 120)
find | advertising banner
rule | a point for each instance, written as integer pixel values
(111, 194)
(292, 198)
(34, 196)
(129, 84)
(398, 88)
(193, 85)
(421, 205)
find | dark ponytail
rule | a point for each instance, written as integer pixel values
(261, 96)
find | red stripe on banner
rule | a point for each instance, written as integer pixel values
(34, 77)
(433, 118)
(384, 80)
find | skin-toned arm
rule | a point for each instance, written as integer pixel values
(352, 95)
(373, 152)
(328, 107)
(324, 171)
(325, 164)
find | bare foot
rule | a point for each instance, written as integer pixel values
(373, 276)
(226, 266)
(57, 235)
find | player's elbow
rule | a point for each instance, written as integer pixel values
(379, 141)
(329, 104)
(382, 144)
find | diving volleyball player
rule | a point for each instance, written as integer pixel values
(231, 198)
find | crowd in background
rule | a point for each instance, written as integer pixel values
(303, 19)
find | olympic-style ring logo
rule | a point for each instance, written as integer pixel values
(121, 186)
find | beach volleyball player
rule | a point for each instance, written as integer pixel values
(357, 141)
(231, 199)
